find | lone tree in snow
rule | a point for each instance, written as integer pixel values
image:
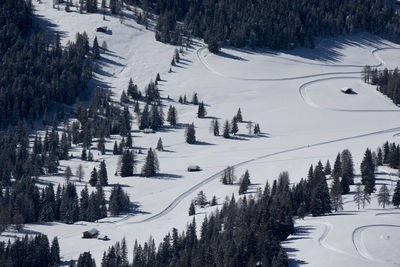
(127, 163)
(151, 165)
(396, 195)
(190, 134)
(201, 113)
(195, 100)
(214, 127)
(201, 199)
(160, 146)
(244, 183)
(228, 176)
(384, 196)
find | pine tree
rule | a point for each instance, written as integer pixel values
(396, 195)
(190, 134)
(201, 199)
(85, 260)
(384, 196)
(244, 183)
(96, 50)
(214, 127)
(228, 175)
(337, 167)
(195, 100)
(201, 113)
(234, 125)
(192, 209)
(55, 252)
(366, 197)
(160, 146)
(368, 172)
(214, 201)
(257, 130)
(239, 116)
(102, 174)
(127, 163)
(115, 149)
(68, 173)
(84, 155)
(119, 201)
(347, 171)
(226, 129)
(84, 204)
(93, 177)
(327, 168)
(172, 116)
(151, 165)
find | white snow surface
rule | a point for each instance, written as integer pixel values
(295, 97)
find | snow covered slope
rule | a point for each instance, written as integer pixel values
(294, 96)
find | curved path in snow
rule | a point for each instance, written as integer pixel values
(310, 102)
(191, 190)
(359, 242)
(200, 54)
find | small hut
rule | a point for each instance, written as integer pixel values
(92, 233)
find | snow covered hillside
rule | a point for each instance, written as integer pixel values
(294, 96)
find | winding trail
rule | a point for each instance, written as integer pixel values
(191, 190)
(359, 244)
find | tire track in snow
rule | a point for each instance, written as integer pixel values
(359, 244)
(191, 190)
(310, 102)
(374, 52)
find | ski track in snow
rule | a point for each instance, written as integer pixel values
(185, 194)
(359, 242)
(305, 97)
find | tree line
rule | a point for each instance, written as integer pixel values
(275, 24)
(387, 81)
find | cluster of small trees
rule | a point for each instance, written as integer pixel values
(128, 162)
(387, 82)
(40, 252)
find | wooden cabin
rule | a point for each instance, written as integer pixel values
(92, 233)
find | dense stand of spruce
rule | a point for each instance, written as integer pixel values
(36, 73)
(387, 81)
(278, 24)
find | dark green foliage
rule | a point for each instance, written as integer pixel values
(192, 209)
(368, 172)
(133, 90)
(190, 134)
(226, 130)
(55, 252)
(239, 116)
(244, 183)
(172, 116)
(86, 260)
(93, 177)
(214, 201)
(128, 163)
(37, 247)
(119, 201)
(228, 175)
(195, 100)
(347, 171)
(336, 195)
(257, 129)
(160, 146)
(151, 165)
(234, 125)
(201, 113)
(320, 199)
(388, 82)
(327, 168)
(214, 127)
(396, 195)
(91, 6)
(337, 167)
(102, 174)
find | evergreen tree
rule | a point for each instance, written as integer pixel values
(337, 167)
(244, 183)
(151, 165)
(68, 173)
(55, 252)
(190, 134)
(228, 175)
(257, 130)
(80, 173)
(358, 195)
(133, 90)
(93, 177)
(115, 149)
(172, 116)
(239, 116)
(127, 163)
(195, 100)
(84, 204)
(396, 195)
(214, 127)
(119, 201)
(201, 113)
(160, 146)
(102, 174)
(368, 172)
(214, 201)
(192, 209)
(226, 130)
(85, 260)
(96, 50)
(347, 171)
(201, 199)
(234, 125)
(384, 196)
(327, 168)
